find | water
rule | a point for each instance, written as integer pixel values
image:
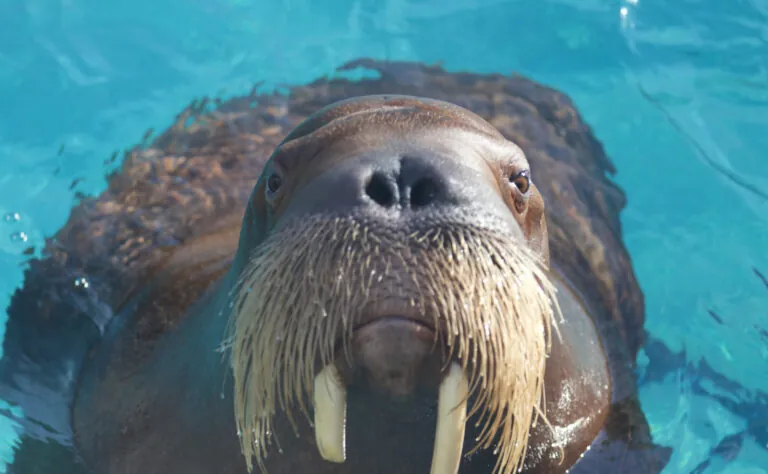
(676, 90)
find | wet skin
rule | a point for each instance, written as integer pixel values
(390, 166)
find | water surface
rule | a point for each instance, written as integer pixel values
(677, 91)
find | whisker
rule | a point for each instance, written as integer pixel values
(491, 294)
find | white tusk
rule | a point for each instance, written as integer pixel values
(330, 415)
(451, 422)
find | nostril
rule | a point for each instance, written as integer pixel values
(423, 193)
(381, 190)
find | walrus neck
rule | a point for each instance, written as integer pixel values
(196, 278)
(203, 364)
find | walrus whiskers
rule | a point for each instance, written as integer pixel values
(310, 280)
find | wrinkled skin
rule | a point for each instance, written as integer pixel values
(154, 396)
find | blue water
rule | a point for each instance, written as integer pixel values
(677, 91)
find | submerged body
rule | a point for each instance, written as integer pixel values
(398, 244)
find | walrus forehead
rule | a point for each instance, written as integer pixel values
(392, 108)
(327, 148)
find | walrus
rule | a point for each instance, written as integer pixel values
(420, 276)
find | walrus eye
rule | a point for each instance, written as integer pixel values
(522, 181)
(273, 183)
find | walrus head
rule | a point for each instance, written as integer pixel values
(394, 246)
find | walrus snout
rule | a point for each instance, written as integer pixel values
(408, 184)
(393, 354)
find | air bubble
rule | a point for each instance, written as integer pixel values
(12, 217)
(82, 282)
(19, 237)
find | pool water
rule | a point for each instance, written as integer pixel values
(677, 91)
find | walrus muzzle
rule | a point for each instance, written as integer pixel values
(314, 282)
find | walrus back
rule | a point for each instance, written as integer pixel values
(184, 184)
(175, 190)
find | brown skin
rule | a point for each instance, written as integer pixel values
(154, 396)
(424, 159)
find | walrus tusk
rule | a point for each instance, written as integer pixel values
(330, 415)
(451, 422)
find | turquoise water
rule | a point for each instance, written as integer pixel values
(676, 90)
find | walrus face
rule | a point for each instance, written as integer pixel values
(395, 248)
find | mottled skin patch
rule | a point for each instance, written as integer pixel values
(191, 184)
